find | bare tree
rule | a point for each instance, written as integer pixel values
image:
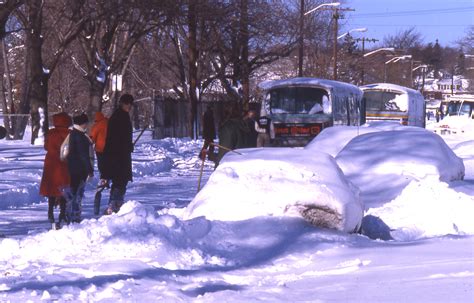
(404, 40)
(110, 36)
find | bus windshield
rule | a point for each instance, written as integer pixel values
(385, 101)
(299, 100)
(461, 109)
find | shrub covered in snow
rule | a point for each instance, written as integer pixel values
(279, 182)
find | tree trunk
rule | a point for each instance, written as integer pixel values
(37, 93)
(244, 37)
(192, 57)
(7, 98)
(96, 91)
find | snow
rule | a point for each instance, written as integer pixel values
(397, 157)
(279, 182)
(151, 251)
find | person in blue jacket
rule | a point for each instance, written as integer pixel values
(80, 162)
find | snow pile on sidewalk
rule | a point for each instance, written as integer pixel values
(428, 208)
(136, 232)
(389, 160)
(279, 182)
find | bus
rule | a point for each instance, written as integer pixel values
(301, 108)
(391, 102)
(461, 105)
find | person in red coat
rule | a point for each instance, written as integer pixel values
(55, 172)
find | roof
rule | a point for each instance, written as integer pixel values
(389, 86)
(310, 82)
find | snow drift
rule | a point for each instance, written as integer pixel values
(428, 208)
(279, 182)
(333, 139)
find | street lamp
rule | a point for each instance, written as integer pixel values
(387, 49)
(393, 60)
(301, 40)
(423, 70)
(396, 59)
(363, 29)
(322, 5)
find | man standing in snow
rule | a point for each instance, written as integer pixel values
(232, 132)
(265, 129)
(118, 153)
(249, 119)
(208, 134)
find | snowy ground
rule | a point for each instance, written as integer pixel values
(148, 252)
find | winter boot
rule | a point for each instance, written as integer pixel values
(115, 200)
(62, 211)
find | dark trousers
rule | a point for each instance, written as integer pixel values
(74, 204)
(100, 163)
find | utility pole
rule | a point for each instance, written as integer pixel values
(363, 40)
(301, 41)
(336, 16)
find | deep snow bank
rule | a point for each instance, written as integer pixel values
(389, 160)
(428, 208)
(279, 182)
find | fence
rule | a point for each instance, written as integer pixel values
(171, 116)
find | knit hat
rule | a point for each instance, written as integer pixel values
(126, 99)
(81, 119)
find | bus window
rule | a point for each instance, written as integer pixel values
(384, 101)
(461, 109)
(297, 100)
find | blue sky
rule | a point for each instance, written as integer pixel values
(445, 20)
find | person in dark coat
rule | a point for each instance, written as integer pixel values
(80, 162)
(208, 134)
(249, 119)
(55, 172)
(118, 153)
(232, 133)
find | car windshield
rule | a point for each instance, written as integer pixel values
(299, 100)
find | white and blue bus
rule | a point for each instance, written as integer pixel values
(391, 102)
(301, 108)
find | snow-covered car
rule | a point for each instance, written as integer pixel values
(279, 182)
(392, 159)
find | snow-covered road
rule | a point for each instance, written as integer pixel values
(148, 253)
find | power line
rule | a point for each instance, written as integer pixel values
(416, 12)
(424, 25)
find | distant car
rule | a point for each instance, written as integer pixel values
(459, 117)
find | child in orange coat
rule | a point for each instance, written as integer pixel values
(98, 135)
(55, 172)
